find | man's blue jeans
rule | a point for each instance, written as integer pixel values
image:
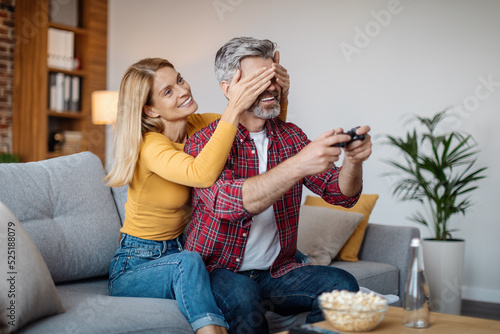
(161, 269)
(244, 297)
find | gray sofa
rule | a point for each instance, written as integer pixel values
(74, 220)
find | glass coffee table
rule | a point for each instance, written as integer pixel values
(440, 324)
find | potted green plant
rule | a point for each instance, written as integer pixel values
(8, 157)
(437, 169)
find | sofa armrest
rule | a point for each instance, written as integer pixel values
(391, 245)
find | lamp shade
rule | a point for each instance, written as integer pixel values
(104, 106)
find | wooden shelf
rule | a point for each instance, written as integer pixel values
(66, 114)
(76, 30)
(33, 122)
(78, 73)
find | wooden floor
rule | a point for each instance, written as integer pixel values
(481, 309)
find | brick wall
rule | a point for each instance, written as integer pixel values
(6, 73)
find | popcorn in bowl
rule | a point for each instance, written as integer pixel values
(353, 311)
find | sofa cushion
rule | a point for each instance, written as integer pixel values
(67, 210)
(28, 292)
(323, 232)
(380, 277)
(90, 309)
(365, 206)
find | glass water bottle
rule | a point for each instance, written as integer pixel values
(416, 296)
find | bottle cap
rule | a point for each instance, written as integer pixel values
(415, 242)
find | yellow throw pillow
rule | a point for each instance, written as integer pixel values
(365, 204)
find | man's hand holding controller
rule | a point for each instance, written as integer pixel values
(322, 153)
(353, 135)
(356, 144)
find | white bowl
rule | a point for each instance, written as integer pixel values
(353, 312)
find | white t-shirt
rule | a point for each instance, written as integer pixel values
(263, 245)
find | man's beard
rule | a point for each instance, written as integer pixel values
(266, 113)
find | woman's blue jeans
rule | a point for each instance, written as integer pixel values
(161, 269)
(244, 297)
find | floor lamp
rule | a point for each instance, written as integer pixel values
(104, 111)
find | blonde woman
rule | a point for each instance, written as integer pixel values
(156, 114)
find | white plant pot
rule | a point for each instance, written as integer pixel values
(443, 265)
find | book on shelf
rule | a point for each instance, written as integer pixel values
(64, 92)
(61, 49)
(75, 94)
(67, 92)
(52, 91)
(72, 142)
(64, 12)
(59, 102)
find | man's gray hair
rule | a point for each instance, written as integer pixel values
(227, 60)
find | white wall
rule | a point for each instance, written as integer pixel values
(411, 56)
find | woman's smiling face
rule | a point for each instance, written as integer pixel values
(171, 95)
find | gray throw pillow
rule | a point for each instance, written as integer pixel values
(323, 231)
(28, 292)
(67, 210)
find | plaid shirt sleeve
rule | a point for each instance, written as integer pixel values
(223, 199)
(326, 185)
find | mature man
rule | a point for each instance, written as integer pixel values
(245, 225)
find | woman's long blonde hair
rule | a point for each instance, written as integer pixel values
(132, 123)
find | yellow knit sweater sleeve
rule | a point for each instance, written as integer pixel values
(283, 112)
(168, 160)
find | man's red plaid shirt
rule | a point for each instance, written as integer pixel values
(221, 225)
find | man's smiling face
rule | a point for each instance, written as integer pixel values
(267, 105)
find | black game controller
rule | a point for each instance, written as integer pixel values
(353, 135)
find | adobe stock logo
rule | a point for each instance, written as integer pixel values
(223, 6)
(482, 92)
(372, 29)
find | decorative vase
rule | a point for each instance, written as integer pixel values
(444, 262)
